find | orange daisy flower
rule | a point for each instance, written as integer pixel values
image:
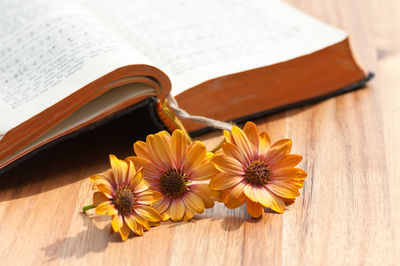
(176, 168)
(253, 171)
(124, 195)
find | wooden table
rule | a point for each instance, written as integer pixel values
(347, 214)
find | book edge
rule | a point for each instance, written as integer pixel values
(354, 86)
(156, 78)
(150, 102)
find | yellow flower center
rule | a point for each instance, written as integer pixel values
(124, 199)
(173, 183)
(258, 173)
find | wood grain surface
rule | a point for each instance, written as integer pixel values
(347, 214)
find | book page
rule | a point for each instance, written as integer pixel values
(48, 50)
(194, 41)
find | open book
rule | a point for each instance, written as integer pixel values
(67, 65)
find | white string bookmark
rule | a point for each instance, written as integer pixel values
(196, 118)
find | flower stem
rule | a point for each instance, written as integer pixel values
(88, 207)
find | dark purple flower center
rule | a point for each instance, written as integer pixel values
(124, 199)
(258, 173)
(173, 183)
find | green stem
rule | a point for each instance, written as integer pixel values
(88, 207)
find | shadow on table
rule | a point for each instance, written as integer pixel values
(81, 244)
(72, 159)
(93, 239)
(229, 220)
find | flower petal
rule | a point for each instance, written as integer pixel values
(131, 223)
(117, 222)
(140, 220)
(108, 175)
(124, 232)
(284, 190)
(250, 129)
(188, 215)
(154, 223)
(162, 205)
(150, 169)
(137, 178)
(124, 172)
(148, 197)
(289, 160)
(140, 229)
(99, 197)
(148, 213)
(141, 150)
(228, 137)
(103, 184)
(286, 174)
(193, 202)
(223, 181)
(106, 190)
(163, 148)
(177, 209)
(205, 193)
(278, 150)
(165, 135)
(268, 199)
(249, 192)
(195, 155)
(254, 209)
(264, 143)
(243, 144)
(154, 153)
(228, 165)
(131, 172)
(117, 171)
(164, 216)
(103, 207)
(203, 172)
(112, 210)
(235, 197)
(179, 146)
(143, 185)
(209, 155)
(232, 151)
